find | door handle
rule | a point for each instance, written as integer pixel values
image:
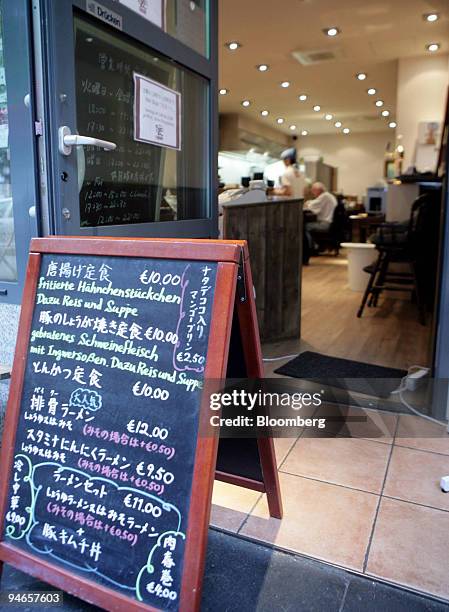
(67, 140)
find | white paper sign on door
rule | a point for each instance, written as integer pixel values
(152, 10)
(157, 113)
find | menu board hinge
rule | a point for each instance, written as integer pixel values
(241, 281)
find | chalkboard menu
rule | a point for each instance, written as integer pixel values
(119, 187)
(108, 422)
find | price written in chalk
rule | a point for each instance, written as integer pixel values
(104, 457)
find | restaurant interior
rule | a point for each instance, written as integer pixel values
(359, 91)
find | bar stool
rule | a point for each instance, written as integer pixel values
(396, 244)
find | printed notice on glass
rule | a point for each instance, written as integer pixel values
(152, 10)
(157, 113)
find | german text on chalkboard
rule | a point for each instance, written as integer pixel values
(106, 438)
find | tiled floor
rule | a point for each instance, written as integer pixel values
(370, 504)
(373, 506)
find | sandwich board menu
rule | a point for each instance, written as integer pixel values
(107, 484)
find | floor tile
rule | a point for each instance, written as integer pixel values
(231, 505)
(375, 425)
(321, 520)
(349, 462)
(282, 447)
(414, 476)
(416, 432)
(380, 426)
(410, 547)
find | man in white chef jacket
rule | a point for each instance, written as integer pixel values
(293, 180)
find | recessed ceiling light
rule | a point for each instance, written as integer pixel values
(233, 45)
(337, 124)
(280, 120)
(379, 103)
(385, 113)
(303, 97)
(223, 92)
(264, 113)
(431, 17)
(333, 31)
(392, 124)
(328, 117)
(293, 128)
(432, 47)
(262, 67)
(304, 133)
(246, 103)
(371, 91)
(317, 108)
(361, 76)
(400, 149)
(346, 130)
(285, 84)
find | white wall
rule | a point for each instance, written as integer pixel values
(421, 96)
(274, 171)
(358, 157)
(233, 166)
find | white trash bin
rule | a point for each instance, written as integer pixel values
(360, 254)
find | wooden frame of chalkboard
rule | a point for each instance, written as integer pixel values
(242, 462)
(233, 285)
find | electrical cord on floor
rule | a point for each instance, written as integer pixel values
(419, 372)
(280, 358)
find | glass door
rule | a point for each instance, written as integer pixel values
(131, 120)
(18, 167)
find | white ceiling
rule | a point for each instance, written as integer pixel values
(374, 34)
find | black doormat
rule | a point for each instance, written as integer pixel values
(344, 373)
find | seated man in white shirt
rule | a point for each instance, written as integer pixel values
(323, 206)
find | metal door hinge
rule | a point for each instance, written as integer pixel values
(241, 281)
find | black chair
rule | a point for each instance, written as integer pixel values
(398, 244)
(332, 239)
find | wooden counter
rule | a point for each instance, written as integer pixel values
(273, 230)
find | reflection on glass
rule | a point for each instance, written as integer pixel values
(188, 21)
(138, 182)
(8, 263)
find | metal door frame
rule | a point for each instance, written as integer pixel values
(57, 43)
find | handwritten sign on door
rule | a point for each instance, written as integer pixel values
(157, 113)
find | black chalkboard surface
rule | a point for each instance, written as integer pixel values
(105, 442)
(106, 480)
